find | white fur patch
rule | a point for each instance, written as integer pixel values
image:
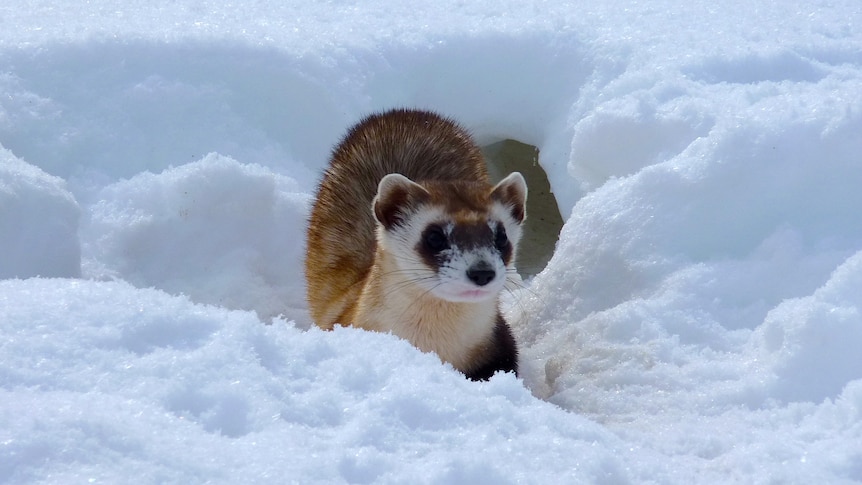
(513, 228)
(401, 244)
(454, 283)
(450, 281)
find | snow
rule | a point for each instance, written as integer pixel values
(216, 230)
(107, 381)
(39, 223)
(698, 323)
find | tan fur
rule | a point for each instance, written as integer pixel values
(452, 330)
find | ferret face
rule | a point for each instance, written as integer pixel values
(455, 240)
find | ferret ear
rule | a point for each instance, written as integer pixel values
(512, 193)
(397, 197)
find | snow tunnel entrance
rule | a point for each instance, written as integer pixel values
(544, 221)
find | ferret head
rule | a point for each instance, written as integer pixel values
(456, 240)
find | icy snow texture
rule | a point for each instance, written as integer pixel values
(699, 323)
(221, 232)
(38, 222)
(135, 385)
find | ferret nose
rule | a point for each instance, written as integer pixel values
(481, 273)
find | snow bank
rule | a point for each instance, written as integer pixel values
(216, 230)
(38, 222)
(105, 381)
(812, 342)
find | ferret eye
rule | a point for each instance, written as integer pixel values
(435, 239)
(500, 238)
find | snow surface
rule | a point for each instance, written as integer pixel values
(699, 322)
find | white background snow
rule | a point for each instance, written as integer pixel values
(700, 322)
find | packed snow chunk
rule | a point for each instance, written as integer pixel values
(622, 136)
(812, 343)
(836, 423)
(216, 230)
(38, 222)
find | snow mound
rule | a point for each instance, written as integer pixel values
(46, 245)
(812, 343)
(199, 393)
(216, 230)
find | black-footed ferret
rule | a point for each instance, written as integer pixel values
(408, 236)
